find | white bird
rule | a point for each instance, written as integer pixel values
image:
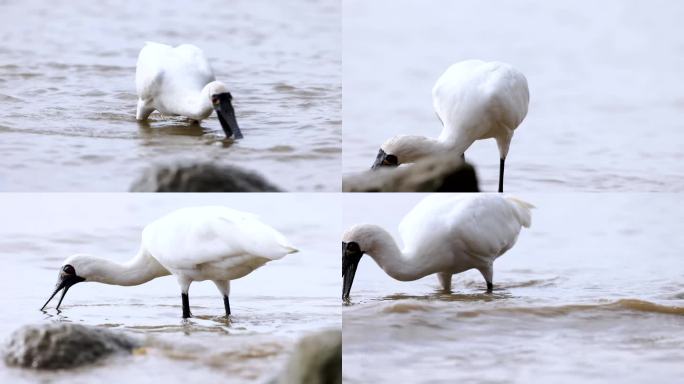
(180, 81)
(444, 234)
(193, 244)
(474, 100)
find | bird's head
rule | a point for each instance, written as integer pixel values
(356, 241)
(222, 101)
(75, 269)
(403, 149)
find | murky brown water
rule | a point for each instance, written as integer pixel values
(605, 86)
(592, 292)
(67, 91)
(273, 307)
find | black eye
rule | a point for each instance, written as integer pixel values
(353, 247)
(391, 160)
(69, 270)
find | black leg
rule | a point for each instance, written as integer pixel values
(490, 287)
(463, 156)
(186, 305)
(501, 169)
(226, 303)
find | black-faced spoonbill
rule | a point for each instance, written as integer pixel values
(193, 244)
(444, 234)
(180, 81)
(475, 100)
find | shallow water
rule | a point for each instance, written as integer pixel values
(272, 307)
(67, 91)
(605, 86)
(592, 292)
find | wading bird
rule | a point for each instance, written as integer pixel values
(193, 244)
(444, 234)
(180, 81)
(474, 100)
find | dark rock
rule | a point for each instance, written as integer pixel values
(317, 359)
(200, 177)
(444, 173)
(63, 345)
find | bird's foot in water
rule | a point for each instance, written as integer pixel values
(226, 305)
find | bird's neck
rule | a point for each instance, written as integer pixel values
(196, 105)
(454, 143)
(403, 265)
(191, 103)
(140, 269)
(411, 148)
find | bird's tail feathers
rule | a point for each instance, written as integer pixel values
(523, 210)
(290, 249)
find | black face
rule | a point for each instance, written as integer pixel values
(351, 255)
(67, 278)
(224, 110)
(385, 160)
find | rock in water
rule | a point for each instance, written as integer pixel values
(200, 177)
(443, 173)
(317, 359)
(63, 345)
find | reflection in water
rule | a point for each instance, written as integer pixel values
(68, 92)
(175, 127)
(593, 288)
(273, 307)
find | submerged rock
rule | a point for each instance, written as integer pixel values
(200, 177)
(317, 359)
(444, 173)
(63, 345)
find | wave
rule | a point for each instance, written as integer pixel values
(647, 306)
(9, 99)
(634, 305)
(518, 284)
(406, 307)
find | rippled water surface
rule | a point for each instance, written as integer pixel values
(592, 292)
(605, 78)
(67, 91)
(272, 307)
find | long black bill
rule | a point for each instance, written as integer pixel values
(351, 255)
(385, 160)
(223, 106)
(65, 281)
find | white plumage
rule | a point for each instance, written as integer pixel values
(193, 244)
(180, 81)
(189, 237)
(444, 234)
(478, 100)
(474, 100)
